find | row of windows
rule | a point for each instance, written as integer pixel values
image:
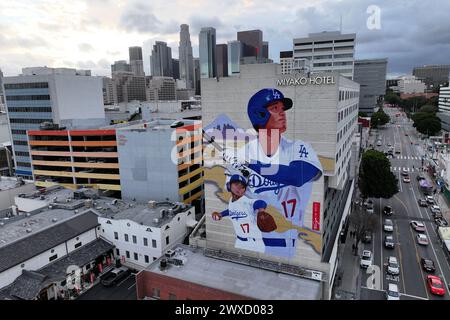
(144, 240)
(24, 164)
(15, 131)
(135, 256)
(20, 143)
(28, 97)
(22, 154)
(30, 120)
(345, 94)
(347, 111)
(28, 109)
(34, 85)
(156, 293)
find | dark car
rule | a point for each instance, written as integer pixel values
(367, 237)
(427, 265)
(387, 210)
(420, 177)
(114, 276)
(441, 222)
(422, 202)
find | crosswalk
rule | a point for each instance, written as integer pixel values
(407, 158)
(408, 169)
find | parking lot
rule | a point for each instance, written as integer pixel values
(124, 290)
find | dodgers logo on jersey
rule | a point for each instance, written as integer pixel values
(262, 184)
(238, 215)
(303, 152)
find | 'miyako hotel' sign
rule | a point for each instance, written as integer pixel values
(303, 81)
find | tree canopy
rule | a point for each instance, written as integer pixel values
(379, 118)
(428, 108)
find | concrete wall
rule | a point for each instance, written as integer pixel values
(4, 129)
(7, 196)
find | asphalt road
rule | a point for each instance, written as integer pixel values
(125, 290)
(411, 280)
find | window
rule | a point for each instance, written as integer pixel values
(54, 257)
(154, 243)
(136, 256)
(127, 253)
(126, 237)
(154, 258)
(28, 97)
(146, 241)
(24, 164)
(147, 260)
(155, 293)
(167, 240)
(15, 131)
(117, 252)
(34, 85)
(172, 296)
(116, 234)
(77, 245)
(134, 239)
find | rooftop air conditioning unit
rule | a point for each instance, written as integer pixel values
(163, 264)
(156, 220)
(28, 230)
(152, 204)
(170, 253)
(50, 207)
(54, 220)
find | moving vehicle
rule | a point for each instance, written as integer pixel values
(366, 259)
(423, 202)
(435, 285)
(435, 209)
(392, 292)
(379, 143)
(418, 226)
(114, 276)
(422, 239)
(387, 210)
(389, 242)
(420, 177)
(404, 172)
(406, 179)
(392, 266)
(369, 206)
(430, 199)
(441, 222)
(388, 225)
(367, 237)
(427, 265)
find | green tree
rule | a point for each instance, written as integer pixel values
(375, 177)
(362, 114)
(430, 125)
(428, 108)
(392, 98)
(379, 118)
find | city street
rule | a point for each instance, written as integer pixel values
(125, 290)
(412, 278)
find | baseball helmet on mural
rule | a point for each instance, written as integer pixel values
(257, 104)
(234, 178)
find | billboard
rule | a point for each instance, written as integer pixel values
(259, 178)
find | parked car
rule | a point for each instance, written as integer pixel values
(406, 179)
(379, 143)
(392, 292)
(423, 202)
(114, 276)
(389, 242)
(441, 222)
(392, 266)
(369, 206)
(435, 209)
(387, 210)
(366, 259)
(422, 239)
(435, 285)
(420, 177)
(427, 265)
(418, 226)
(430, 199)
(367, 237)
(388, 225)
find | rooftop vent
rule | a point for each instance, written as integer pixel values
(28, 230)
(76, 211)
(152, 204)
(2, 224)
(27, 214)
(50, 207)
(156, 220)
(163, 264)
(170, 253)
(54, 220)
(114, 202)
(68, 199)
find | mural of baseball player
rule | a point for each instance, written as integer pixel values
(247, 215)
(281, 170)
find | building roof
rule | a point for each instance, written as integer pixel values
(7, 183)
(23, 249)
(237, 278)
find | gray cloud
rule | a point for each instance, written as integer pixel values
(85, 47)
(196, 22)
(139, 17)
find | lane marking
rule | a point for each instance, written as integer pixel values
(401, 293)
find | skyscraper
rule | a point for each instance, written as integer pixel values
(186, 58)
(120, 66)
(207, 50)
(222, 60)
(2, 97)
(161, 60)
(328, 51)
(136, 62)
(176, 68)
(252, 43)
(234, 57)
(197, 76)
(433, 75)
(265, 50)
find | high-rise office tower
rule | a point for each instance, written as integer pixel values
(120, 66)
(234, 57)
(176, 68)
(265, 50)
(136, 62)
(222, 60)
(207, 50)
(185, 57)
(252, 43)
(161, 60)
(197, 76)
(328, 51)
(2, 96)
(433, 75)
(52, 95)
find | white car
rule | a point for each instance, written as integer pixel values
(392, 292)
(388, 225)
(430, 199)
(392, 266)
(369, 206)
(418, 226)
(435, 209)
(404, 172)
(422, 239)
(366, 259)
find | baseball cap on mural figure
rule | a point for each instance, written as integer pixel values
(236, 178)
(257, 104)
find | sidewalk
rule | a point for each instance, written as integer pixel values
(347, 285)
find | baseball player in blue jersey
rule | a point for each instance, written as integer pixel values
(281, 170)
(247, 215)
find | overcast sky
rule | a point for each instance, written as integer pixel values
(92, 34)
